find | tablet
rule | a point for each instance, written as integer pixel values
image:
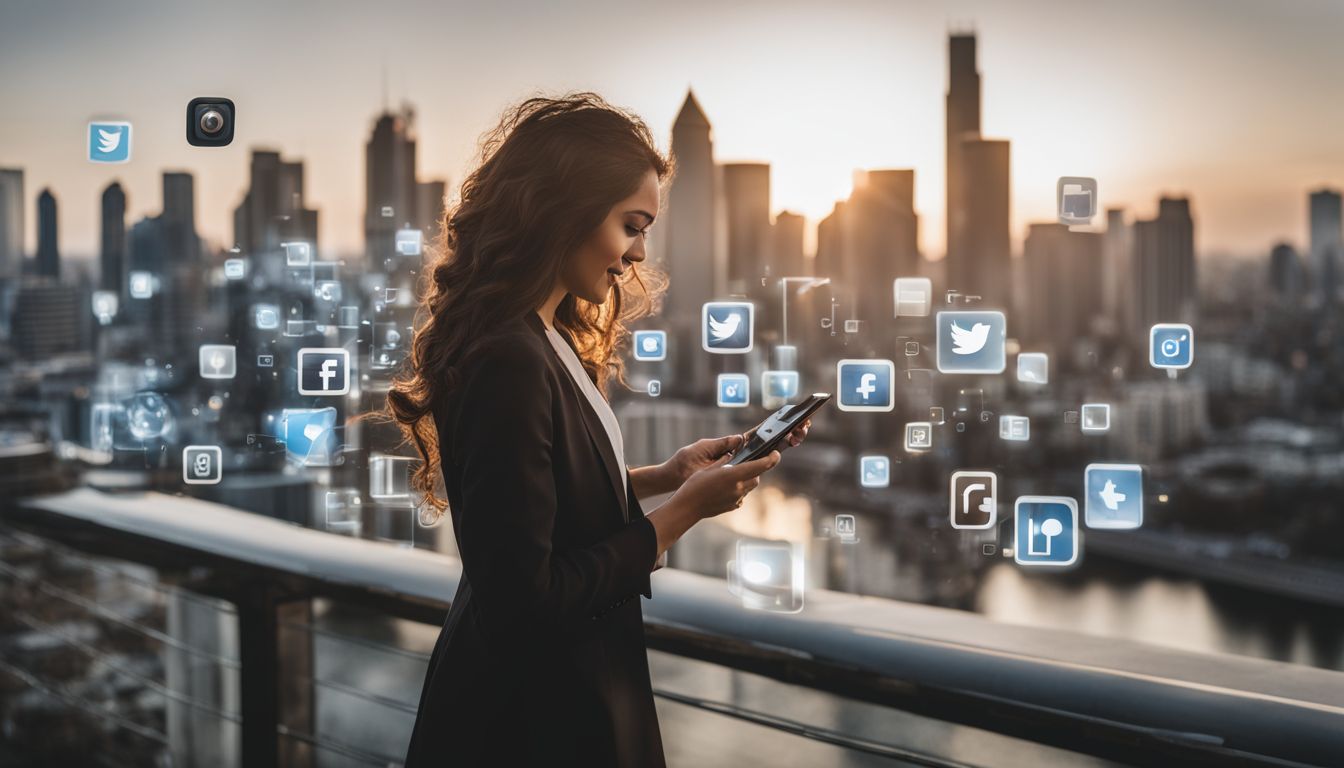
(777, 427)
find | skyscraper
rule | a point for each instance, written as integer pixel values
(1164, 267)
(787, 239)
(1064, 275)
(1285, 272)
(11, 222)
(978, 247)
(389, 176)
(1117, 276)
(272, 210)
(48, 253)
(112, 252)
(746, 204)
(869, 241)
(1326, 234)
(688, 241)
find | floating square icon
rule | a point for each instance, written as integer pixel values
(1033, 368)
(327, 290)
(1076, 199)
(1014, 428)
(971, 341)
(324, 371)
(913, 295)
(655, 388)
(140, 284)
(1046, 531)
(105, 306)
(298, 254)
(846, 528)
(265, 361)
(975, 500)
(109, 142)
(650, 346)
(1171, 345)
(410, 242)
(310, 436)
(266, 316)
(201, 464)
(1095, 418)
(936, 414)
(778, 387)
(348, 317)
(235, 269)
(727, 327)
(734, 390)
(768, 576)
(912, 349)
(390, 479)
(874, 471)
(1114, 496)
(918, 436)
(851, 326)
(865, 384)
(218, 361)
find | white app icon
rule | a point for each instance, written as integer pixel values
(974, 500)
(141, 284)
(1033, 368)
(918, 436)
(218, 361)
(914, 296)
(200, 464)
(1095, 417)
(1014, 428)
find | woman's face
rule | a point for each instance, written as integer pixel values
(616, 244)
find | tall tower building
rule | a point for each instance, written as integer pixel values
(869, 241)
(1326, 250)
(1285, 273)
(11, 222)
(112, 251)
(48, 254)
(978, 246)
(689, 254)
(1117, 276)
(787, 239)
(1064, 270)
(1164, 267)
(272, 211)
(746, 204)
(389, 182)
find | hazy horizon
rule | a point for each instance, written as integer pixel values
(1232, 103)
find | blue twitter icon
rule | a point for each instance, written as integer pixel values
(726, 327)
(109, 142)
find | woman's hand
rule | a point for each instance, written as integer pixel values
(717, 488)
(700, 454)
(795, 438)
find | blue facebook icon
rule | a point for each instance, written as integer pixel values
(1046, 530)
(865, 385)
(1114, 496)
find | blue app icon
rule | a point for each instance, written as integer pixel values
(779, 385)
(1114, 496)
(650, 345)
(726, 327)
(734, 390)
(109, 142)
(1046, 531)
(874, 471)
(310, 436)
(971, 342)
(1171, 345)
(865, 385)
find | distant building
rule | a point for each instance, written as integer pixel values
(787, 243)
(429, 207)
(272, 211)
(1157, 419)
(1326, 236)
(11, 222)
(389, 182)
(48, 261)
(1285, 272)
(1064, 274)
(746, 205)
(869, 241)
(1117, 272)
(112, 251)
(1164, 267)
(978, 242)
(46, 318)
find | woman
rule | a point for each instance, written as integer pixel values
(542, 657)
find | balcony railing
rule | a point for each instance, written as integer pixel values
(249, 611)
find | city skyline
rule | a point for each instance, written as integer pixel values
(862, 117)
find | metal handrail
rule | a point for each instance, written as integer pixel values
(1109, 698)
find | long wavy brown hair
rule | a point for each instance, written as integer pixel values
(548, 176)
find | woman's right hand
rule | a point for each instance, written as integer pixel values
(717, 488)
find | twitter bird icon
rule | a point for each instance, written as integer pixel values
(971, 342)
(727, 327)
(109, 142)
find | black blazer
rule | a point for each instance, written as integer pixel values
(542, 657)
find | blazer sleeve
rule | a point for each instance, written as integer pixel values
(503, 439)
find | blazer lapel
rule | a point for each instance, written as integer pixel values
(597, 433)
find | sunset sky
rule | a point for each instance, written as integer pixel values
(1239, 104)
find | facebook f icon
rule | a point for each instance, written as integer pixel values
(865, 385)
(324, 371)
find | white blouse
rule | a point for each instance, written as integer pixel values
(595, 399)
